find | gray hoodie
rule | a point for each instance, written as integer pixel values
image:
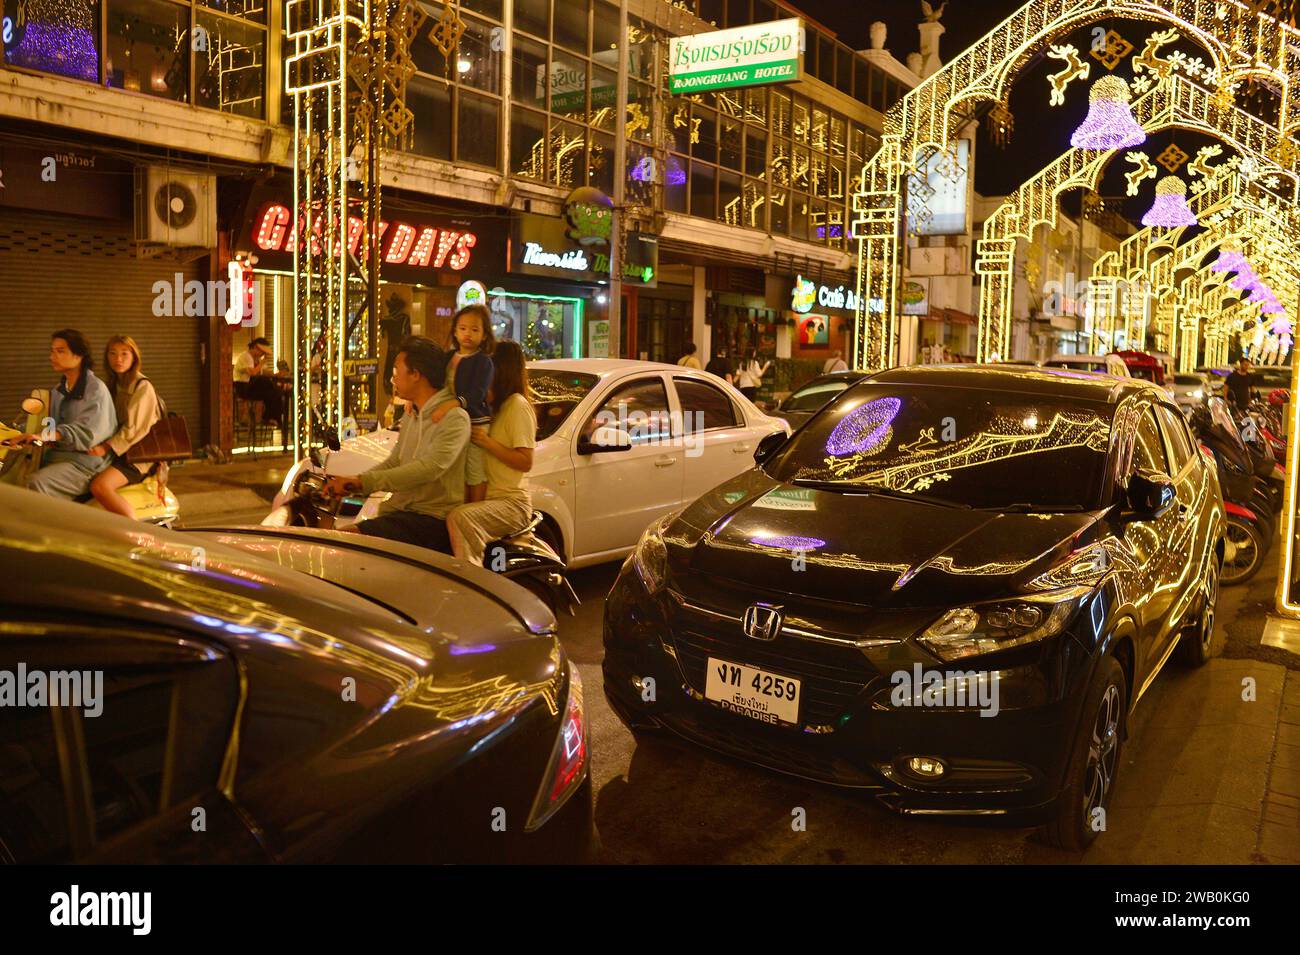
(426, 470)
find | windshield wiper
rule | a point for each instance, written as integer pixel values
(844, 487)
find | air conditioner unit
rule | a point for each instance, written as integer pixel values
(175, 207)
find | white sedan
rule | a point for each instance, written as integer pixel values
(619, 443)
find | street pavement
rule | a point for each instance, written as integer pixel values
(1211, 769)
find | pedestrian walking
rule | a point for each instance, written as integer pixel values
(689, 360)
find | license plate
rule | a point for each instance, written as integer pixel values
(768, 697)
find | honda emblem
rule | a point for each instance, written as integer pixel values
(762, 621)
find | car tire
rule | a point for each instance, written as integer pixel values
(1094, 760)
(1197, 643)
(1245, 549)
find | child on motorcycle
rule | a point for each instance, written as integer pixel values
(469, 376)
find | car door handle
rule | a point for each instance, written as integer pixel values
(739, 449)
(665, 461)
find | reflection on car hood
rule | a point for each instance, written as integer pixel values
(865, 549)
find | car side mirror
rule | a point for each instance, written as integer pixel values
(1150, 494)
(768, 446)
(605, 440)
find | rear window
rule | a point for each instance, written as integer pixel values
(963, 446)
(813, 395)
(555, 395)
(1188, 379)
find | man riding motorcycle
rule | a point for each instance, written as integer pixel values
(81, 416)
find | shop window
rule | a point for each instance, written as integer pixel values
(478, 130)
(571, 25)
(708, 407)
(640, 50)
(844, 71)
(729, 198)
(528, 72)
(604, 97)
(143, 54)
(779, 209)
(731, 103)
(731, 144)
(820, 129)
(428, 58)
(601, 172)
(703, 201)
(430, 101)
(800, 168)
(604, 32)
(640, 112)
(818, 176)
(838, 140)
(705, 129)
(756, 105)
(755, 152)
(641, 174)
(675, 194)
(569, 87)
(782, 162)
(527, 143)
(798, 216)
(679, 129)
(254, 11)
(230, 75)
(533, 16)
(861, 80)
(810, 52)
(61, 37)
(568, 161)
(477, 63)
(825, 59)
(489, 8)
(799, 123)
(754, 203)
(781, 113)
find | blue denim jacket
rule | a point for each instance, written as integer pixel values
(474, 374)
(84, 417)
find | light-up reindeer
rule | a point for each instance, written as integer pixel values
(1075, 69)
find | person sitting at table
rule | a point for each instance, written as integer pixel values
(254, 379)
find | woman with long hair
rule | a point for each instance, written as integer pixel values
(507, 447)
(138, 410)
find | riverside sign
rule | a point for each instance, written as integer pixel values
(744, 56)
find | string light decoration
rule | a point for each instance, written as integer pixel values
(1075, 69)
(1109, 123)
(1172, 158)
(1143, 170)
(1170, 208)
(1111, 53)
(1001, 125)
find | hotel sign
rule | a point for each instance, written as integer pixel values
(744, 56)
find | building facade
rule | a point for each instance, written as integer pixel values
(144, 144)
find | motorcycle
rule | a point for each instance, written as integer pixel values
(1249, 511)
(151, 499)
(522, 557)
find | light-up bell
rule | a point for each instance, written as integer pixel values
(1229, 261)
(1109, 123)
(1170, 208)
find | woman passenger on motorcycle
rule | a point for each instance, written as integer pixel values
(137, 411)
(508, 457)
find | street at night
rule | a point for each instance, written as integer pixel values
(768, 437)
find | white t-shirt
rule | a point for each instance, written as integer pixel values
(245, 365)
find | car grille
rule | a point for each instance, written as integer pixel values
(832, 678)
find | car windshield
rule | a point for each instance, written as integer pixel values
(964, 446)
(555, 395)
(1189, 380)
(813, 395)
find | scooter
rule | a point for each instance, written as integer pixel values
(152, 501)
(522, 557)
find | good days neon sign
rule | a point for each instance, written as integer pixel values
(400, 242)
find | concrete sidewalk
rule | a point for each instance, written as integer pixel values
(236, 493)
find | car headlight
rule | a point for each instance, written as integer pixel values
(987, 628)
(651, 555)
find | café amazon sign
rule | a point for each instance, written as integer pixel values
(743, 56)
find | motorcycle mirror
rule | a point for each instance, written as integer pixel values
(332, 438)
(314, 455)
(33, 406)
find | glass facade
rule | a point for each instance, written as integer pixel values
(208, 52)
(564, 76)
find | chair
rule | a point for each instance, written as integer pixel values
(249, 412)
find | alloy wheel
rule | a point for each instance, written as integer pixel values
(1211, 600)
(1241, 550)
(1103, 750)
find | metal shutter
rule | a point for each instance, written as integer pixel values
(60, 272)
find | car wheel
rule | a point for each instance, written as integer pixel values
(1094, 761)
(1197, 642)
(1243, 550)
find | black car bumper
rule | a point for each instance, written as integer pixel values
(1010, 765)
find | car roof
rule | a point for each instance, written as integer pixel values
(1054, 382)
(602, 366)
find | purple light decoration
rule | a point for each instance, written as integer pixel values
(1246, 279)
(1281, 325)
(1230, 262)
(863, 429)
(1109, 123)
(1170, 209)
(54, 48)
(676, 174)
(789, 543)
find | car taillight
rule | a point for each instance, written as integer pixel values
(568, 764)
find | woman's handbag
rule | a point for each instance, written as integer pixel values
(167, 440)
